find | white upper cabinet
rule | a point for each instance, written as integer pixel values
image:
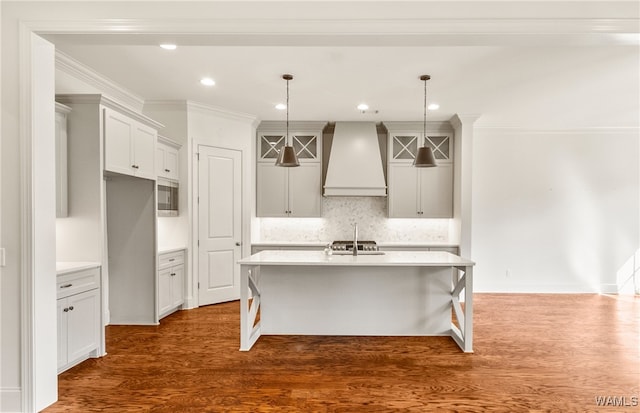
(289, 192)
(129, 146)
(167, 159)
(419, 192)
(62, 198)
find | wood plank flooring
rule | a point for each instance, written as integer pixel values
(533, 353)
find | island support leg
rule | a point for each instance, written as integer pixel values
(249, 306)
(463, 336)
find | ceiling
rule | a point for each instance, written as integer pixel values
(533, 80)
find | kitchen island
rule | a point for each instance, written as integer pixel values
(398, 293)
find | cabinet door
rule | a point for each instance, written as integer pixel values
(177, 286)
(305, 199)
(61, 166)
(144, 151)
(272, 191)
(83, 322)
(171, 163)
(403, 191)
(62, 332)
(118, 142)
(436, 191)
(164, 290)
(160, 156)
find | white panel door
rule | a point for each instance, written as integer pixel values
(219, 220)
(305, 190)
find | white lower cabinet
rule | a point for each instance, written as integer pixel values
(79, 326)
(170, 282)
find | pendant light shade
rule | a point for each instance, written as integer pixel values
(424, 158)
(287, 155)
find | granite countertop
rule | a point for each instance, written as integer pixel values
(390, 258)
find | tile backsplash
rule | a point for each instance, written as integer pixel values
(339, 216)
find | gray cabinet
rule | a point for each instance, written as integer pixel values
(419, 192)
(289, 192)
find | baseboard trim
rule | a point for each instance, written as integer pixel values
(10, 400)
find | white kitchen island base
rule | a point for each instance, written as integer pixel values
(395, 294)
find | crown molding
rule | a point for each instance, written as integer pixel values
(299, 125)
(612, 130)
(408, 126)
(102, 83)
(218, 111)
(98, 99)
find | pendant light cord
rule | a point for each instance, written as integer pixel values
(424, 122)
(286, 140)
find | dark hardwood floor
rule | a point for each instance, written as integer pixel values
(533, 353)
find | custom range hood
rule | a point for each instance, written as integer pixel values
(355, 164)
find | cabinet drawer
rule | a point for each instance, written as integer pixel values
(77, 282)
(170, 258)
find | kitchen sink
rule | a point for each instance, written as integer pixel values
(359, 252)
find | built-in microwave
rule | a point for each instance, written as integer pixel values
(167, 198)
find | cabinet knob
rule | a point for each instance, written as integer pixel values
(173, 274)
(167, 170)
(70, 308)
(135, 166)
(66, 286)
(66, 310)
(238, 244)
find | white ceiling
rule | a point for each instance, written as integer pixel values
(543, 80)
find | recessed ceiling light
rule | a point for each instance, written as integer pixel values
(433, 106)
(207, 81)
(363, 106)
(281, 106)
(168, 46)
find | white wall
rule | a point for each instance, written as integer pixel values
(554, 211)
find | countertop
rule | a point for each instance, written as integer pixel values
(322, 244)
(390, 259)
(73, 266)
(166, 250)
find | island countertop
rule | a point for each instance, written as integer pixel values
(389, 258)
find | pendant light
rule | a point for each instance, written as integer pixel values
(287, 156)
(424, 157)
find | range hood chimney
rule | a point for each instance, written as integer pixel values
(355, 164)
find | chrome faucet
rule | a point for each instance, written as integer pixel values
(355, 239)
